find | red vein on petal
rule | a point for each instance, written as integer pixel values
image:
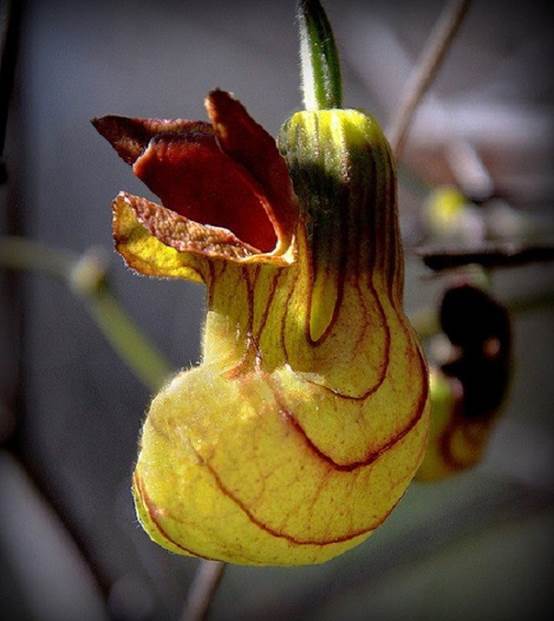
(281, 534)
(373, 455)
(152, 514)
(270, 297)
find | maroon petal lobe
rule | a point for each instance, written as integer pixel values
(246, 142)
(194, 178)
(130, 137)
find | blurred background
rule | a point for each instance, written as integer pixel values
(474, 546)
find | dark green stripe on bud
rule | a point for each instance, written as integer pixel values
(344, 177)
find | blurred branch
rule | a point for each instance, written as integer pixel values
(86, 276)
(202, 590)
(469, 170)
(44, 492)
(10, 19)
(426, 321)
(426, 70)
(23, 254)
(502, 255)
(127, 340)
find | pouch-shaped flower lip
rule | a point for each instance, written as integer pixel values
(224, 187)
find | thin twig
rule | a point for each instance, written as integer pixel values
(488, 256)
(44, 491)
(203, 589)
(10, 19)
(426, 70)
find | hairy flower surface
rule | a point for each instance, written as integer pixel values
(307, 418)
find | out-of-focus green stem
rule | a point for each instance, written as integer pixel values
(127, 339)
(122, 333)
(23, 254)
(319, 59)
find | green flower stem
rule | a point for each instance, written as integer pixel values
(21, 254)
(85, 277)
(321, 80)
(127, 339)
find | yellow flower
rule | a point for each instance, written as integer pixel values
(307, 418)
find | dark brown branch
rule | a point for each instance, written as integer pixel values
(426, 70)
(506, 255)
(10, 19)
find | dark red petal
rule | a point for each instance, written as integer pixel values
(194, 178)
(251, 146)
(130, 137)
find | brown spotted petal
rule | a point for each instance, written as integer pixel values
(156, 241)
(229, 176)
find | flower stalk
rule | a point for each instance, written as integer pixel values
(319, 60)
